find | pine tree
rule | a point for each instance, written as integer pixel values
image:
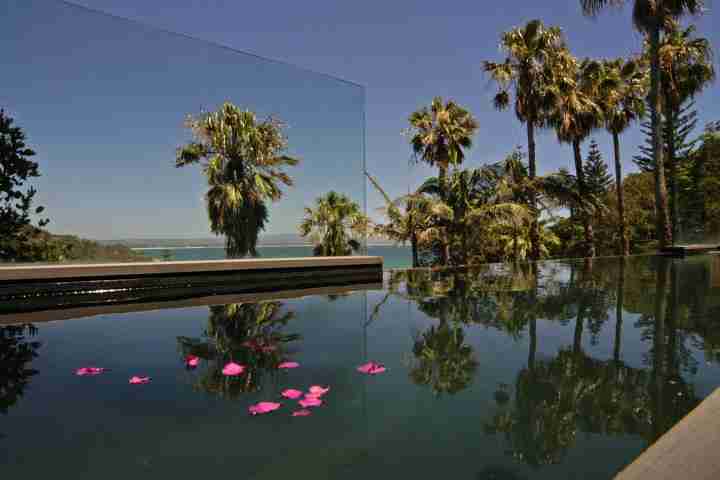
(16, 198)
(597, 177)
(685, 121)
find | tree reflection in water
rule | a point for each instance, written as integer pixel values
(551, 400)
(572, 392)
(250, 334)
(443, 360)
(16, 354)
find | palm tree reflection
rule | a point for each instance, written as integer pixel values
(443, 360)
(250, 334)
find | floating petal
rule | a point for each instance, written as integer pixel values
(139, 380)
(263, 407)
(85, 371)
(318, 391)
(310, 402)
(301, 413)
(232, 369)
(291, 393)
(289, 365)
(371, 368)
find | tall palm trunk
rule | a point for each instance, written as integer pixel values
(445, 241)
(670, 119)
(620, 300)
(587, 221)
(579, 325)
(659, 347)
(414, 246)
(672, 323)
(535, 225)
(624, 240)
(532, 350)
(663, 228)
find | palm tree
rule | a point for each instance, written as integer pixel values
(529, 50)
(650, 17)
(686, 69)
(243, 161)
(474, 208)
(336, 225)
(513, 184)
(620, 90)
(440, 135)
(574, 116)
(412, 218)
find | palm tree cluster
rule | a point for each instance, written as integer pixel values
(506, 210)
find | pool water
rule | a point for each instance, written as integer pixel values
(560, 370)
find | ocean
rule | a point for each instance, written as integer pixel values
(393, 256)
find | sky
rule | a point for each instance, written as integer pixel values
(402, 52)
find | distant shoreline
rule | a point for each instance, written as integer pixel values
(217, 246)
(259, 246)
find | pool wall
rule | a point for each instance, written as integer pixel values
(37, 288)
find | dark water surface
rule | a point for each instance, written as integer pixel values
(569, 370)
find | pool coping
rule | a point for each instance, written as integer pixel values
(29, 273)
(687, 450)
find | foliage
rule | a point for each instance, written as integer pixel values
(243, 159)
(336, 225)
(16, 197)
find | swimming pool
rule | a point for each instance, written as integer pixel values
(560, 370)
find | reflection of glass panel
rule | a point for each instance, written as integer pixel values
(103, 102)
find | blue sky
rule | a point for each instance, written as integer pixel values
(404, 52)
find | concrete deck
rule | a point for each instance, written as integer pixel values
(689, 450)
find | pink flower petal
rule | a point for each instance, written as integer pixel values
(318, 391)
(263, 407)
(289, 365)
(301, 413)
(232, 369)
(139, 380)
(86, 371)
(191, 361)
(310, 402)
(291, 393)
(371, 368)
